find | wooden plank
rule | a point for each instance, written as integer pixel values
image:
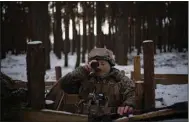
(132, 75)
(58, 71)
(71, 98)
(54, 91)
(142, 117)
(174, 79)
(46, 115)
(23, 84)
(58, 102)
(165, 79)
(149, 84)
(168, 79)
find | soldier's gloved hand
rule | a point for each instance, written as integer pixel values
(125, 110)
(88, 65)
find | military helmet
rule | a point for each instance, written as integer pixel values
(102, 54)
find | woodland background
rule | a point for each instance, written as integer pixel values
(77, 27)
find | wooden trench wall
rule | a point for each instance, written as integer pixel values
(145, 86)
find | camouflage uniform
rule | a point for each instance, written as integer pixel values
(118, 88)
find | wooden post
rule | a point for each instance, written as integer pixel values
(58, 71)
(149, 84)
(139, 95)
(35, 60)
(137, 73)
(132, 75)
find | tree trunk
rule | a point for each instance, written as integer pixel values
(122, 36)
(159, 43)
(78, 47)
(6, 32)
(129, 35)
(109, 43)
(84, 44)
(90, 14)
(181, 25)
(3, 48)
(74, 35)
(91, 36)
(138, 35)
(152, 23)
(165, 41)
(73, 16)
(99, 15)
(12, 31)
(170, 32)
(134, 34)
(66, 41)
(40, 27)
(142, 29)
(58, 31)
(46, 37)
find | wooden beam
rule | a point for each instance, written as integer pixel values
(58, 71)
(149, 115)
(168, 79)
(137, 72)
(54, 92)
(149, 84)
(165, 79)
(35, 60)
(139, 94)
(23, 84)
(46, 115)
(132, 75)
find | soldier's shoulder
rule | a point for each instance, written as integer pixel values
(119, 74)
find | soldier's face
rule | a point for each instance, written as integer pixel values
(104, 67)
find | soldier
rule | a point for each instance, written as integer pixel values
(118, 88)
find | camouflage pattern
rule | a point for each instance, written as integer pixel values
(118, 88)
(102, 53)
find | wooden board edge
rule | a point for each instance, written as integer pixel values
(47, 115)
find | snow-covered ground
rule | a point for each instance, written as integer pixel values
(165, 63)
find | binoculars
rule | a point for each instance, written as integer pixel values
(94, 65)
(97, 98)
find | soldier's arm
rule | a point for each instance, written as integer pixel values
(127, 89)
(71, 82)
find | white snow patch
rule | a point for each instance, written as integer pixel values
(49, 102)
(35, 42)
(147, 41)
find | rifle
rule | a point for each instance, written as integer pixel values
(174, 111)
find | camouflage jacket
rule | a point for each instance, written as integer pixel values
(118, 87)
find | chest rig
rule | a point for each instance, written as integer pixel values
(99, 96)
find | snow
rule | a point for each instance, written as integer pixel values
(60, 112)
(35, 42)
(165, 63)
(147, 41)
(49, 102)
(172, 93)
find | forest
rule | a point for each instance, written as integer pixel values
(119, 26)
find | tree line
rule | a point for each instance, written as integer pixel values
(129, 23)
